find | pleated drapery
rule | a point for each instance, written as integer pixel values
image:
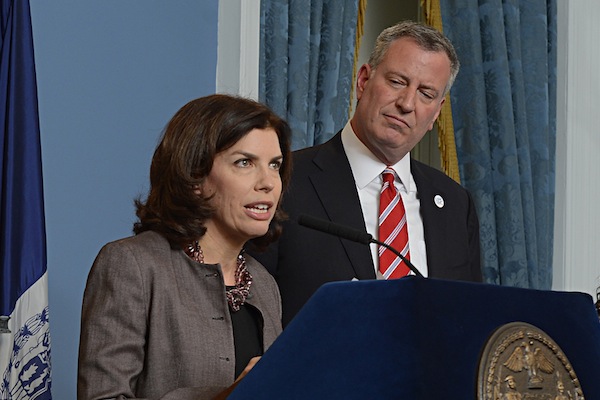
(504, 115)
(307, 61)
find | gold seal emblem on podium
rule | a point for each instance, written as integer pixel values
(521, 362)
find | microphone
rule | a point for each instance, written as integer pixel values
(351, 234)
(335, 229)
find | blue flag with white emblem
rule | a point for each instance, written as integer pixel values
(24, 331)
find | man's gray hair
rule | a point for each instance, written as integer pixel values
(426, 37)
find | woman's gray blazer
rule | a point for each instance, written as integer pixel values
(156, 324)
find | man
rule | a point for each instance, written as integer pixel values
(511, 389)
(400, 93)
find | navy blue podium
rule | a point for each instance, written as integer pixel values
(413, 338)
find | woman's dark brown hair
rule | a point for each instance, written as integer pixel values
(195, 135)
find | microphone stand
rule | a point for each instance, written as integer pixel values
(352, 234)
(396, 252)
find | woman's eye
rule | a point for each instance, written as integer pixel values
(276, 165)
(244, 162)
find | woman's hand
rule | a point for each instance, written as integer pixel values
(250, 365)
(223, 395)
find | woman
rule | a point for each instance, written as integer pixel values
(178, 311)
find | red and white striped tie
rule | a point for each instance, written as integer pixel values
(393, 229)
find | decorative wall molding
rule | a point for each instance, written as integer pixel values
(238, 47)
(577, 216)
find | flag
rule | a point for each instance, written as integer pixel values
(24, 327)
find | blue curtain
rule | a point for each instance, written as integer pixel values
(307, 58)
(504, 112)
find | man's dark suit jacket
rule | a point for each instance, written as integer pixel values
(323, 186)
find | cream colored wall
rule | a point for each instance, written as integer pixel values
(577, 217)
(238, 47)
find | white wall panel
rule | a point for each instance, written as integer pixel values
(577, 223)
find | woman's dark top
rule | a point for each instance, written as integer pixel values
(247, 335)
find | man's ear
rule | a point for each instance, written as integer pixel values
(364, 73)
(437, 114)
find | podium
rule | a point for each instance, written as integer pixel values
(413, 338)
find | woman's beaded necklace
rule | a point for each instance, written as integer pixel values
(236, 296)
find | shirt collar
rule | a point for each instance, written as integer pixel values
(366, 167)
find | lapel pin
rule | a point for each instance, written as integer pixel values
(439, 201)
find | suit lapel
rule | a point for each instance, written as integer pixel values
(435, 224)
(335, 186)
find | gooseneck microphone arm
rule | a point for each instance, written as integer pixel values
(396, 252)
(351, 234)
